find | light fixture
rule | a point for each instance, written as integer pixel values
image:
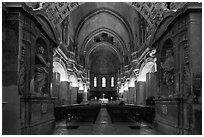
(125, 86)
(85, 89)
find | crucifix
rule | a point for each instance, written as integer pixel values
(103, 95)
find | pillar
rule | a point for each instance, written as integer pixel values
(74, 92)
(64, 93)
(141, 93)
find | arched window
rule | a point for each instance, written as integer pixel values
(103, 82)
(95, 82)
(112, 81)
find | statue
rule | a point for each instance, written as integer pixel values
(168, 67)
(40, 71)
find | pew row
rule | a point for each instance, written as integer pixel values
(133, 112)
(85, 111)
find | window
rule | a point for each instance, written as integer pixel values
(95, 82)
(112, 81)
(103, 82)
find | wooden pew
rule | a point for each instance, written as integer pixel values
(147, 112)
(60, 111)
(124, 112)
(135, 112)
(76, 111)
(83, 111)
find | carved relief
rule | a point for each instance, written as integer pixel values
(58, 11)
(186, 72)
(21, 74)
(152, 11)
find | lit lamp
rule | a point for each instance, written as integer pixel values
(85, 89)
(51, 89)
(85, 92)
(121, 89)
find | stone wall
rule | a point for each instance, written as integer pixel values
(25, 105)
(180, 89)
(10, 97)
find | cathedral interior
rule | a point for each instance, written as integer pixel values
(101, 68)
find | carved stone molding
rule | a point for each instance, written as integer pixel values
(22, 69)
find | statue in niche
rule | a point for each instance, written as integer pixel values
(41, 71)
(168, 67)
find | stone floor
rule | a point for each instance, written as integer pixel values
(104, 126)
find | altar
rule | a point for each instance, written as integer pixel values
(103, 100)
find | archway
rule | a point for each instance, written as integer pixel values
(59, 68)
(60, 82)
(73, 80)
(146, 82)
(146, 68)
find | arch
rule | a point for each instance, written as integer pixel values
(112, 81)
(60, 68)
(109, 11)
(105, 30)
(103, 82)
(132, 80)
(74, 80)
(149, 11)
(95, 81)
(47, 25)
(162, 27)
(147, 66)
(62, 61)
(68, 7)
(102, 44)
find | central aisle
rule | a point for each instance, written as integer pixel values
(103, 126)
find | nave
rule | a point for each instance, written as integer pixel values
(68, 62)
(104, 126)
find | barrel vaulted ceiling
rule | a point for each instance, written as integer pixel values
(104, 32)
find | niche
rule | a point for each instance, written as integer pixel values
(41, 68)
(167, 68)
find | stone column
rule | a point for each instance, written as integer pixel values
(85, 96)
(74, 92)
(56, 87)
(64, 96)
(141, 93)
(132, 94)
